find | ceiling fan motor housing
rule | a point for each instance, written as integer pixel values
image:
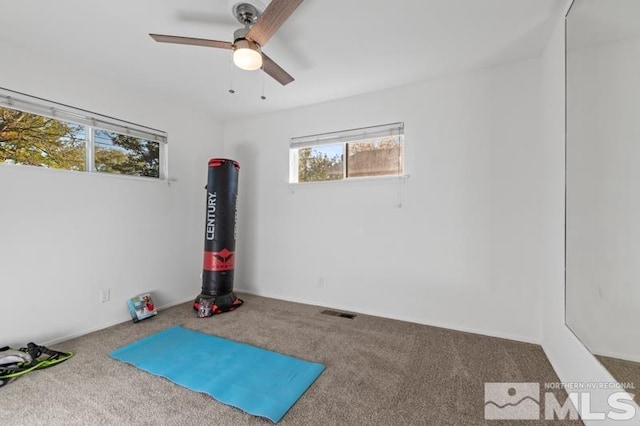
(246, 53)
(240, 34)
(241, 42)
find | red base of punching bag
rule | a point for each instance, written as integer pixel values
(207, 306)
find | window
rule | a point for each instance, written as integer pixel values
(349, 154)
(41, 133)
(128, 155)
(40, 141)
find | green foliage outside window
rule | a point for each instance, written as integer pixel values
(127, 155)
(35, 140)
(315, 166)
(40, 141)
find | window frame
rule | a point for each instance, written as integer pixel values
(91, 121)
(344, 138)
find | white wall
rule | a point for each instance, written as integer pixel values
(462, 252)
(603, 201)
(570, 359)
(66, 235)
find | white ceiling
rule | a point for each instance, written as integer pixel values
(333, 48)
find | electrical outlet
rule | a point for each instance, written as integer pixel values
(321, 282)
(105, 295)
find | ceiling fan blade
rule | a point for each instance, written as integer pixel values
(271, 19)
(275, 71)
(191, 41)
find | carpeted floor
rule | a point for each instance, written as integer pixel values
(379, 371)
(624, 372)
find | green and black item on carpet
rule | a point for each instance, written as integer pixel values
(18, 362)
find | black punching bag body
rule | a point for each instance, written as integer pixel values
(219, 240)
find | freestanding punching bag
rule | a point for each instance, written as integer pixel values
(219, 240)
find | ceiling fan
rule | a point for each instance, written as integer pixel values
(248, 41)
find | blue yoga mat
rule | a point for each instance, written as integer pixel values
(255, 380)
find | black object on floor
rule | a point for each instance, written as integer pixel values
(18, 362)
(338, 314)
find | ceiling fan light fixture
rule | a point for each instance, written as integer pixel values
(259, 24)
(246, 55)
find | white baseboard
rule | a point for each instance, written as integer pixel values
(406, 318)
(119, 320)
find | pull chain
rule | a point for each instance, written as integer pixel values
(231, 90)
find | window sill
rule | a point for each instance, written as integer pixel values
(349, 181)
(45, 170)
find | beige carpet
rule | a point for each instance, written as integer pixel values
(379, 372)
(624, 372)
